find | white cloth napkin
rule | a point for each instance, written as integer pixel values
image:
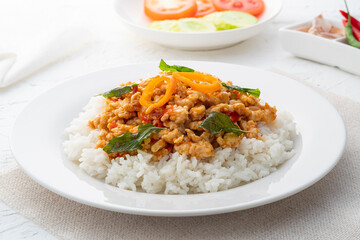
(40, 52)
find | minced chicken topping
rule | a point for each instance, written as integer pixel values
(180, 118)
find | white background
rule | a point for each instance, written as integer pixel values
(113, 45)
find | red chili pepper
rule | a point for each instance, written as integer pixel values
(354, 22)
(234, 117)
(356, 32)
(114, 99)
(159, 124)
(135, 89)
(112, 125)
(168, 110)
(157, 113)
(227, 112)
(170, 148)
(146, 119)
(152, 141)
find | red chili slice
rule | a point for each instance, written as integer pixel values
(112, 125)
(157, 113)
(144, 118)
(159, 124)
(234, 117)
(170, 148)
(168, 110)
(135, 89)
(114, 99)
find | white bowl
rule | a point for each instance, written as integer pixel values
(332, 52)
(132, 15)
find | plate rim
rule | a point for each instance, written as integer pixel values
(179, 213)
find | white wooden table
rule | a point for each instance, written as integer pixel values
(114, 45)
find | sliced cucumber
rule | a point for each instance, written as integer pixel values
(193, 25)
(231, 19)
(164, 25)
(213, 22)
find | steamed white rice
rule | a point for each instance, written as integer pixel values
(178, 174)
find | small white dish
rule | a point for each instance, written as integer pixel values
(333, 52)
(131, 13)
(38, 133)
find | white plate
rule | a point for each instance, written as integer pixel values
(38, 134)
(132, 15)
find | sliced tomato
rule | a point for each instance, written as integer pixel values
(204, 7)
(169, 9)
(253, 7)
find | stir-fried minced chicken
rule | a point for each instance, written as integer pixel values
(180, 117)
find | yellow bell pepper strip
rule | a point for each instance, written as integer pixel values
(189, 79)
(145, 99)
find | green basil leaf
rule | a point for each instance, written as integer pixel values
(118, 92)
(174, 68)
(254, 92)
(217, 122)
(130, 142)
